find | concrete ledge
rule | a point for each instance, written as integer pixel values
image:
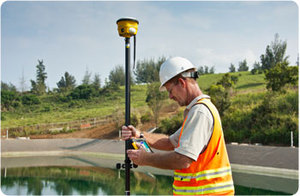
(265, 156)
(266, 171)
(62, 153)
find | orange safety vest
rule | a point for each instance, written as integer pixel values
(211, 173)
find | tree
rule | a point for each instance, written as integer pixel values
(39, 86)
(275, 53)
(87, 77)
(206, 70)
(66, 83)
(34, 88)
(234, 79)
(155, 99)
(231, 68)
(243, 66)
(22, 82)
(97, 82)
(220, 97)
(275, 66)
(228, 81)
(117, 76)
(147, 71)
(212, 70)
(280, 75)
(201, 70)
(8, 87)
(256, 68)
(220, 92)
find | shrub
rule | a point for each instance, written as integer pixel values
(220, 97)
(280, 75)
(30, 99)
(8, 99)
(46, 108)
(268, 122)
(83, 91)
(155, 99)
(170, 125)
(134, 120)
(146, 117)
(64, 99)
(3, 116)
(74, 103)
(288, 103)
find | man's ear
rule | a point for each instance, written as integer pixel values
(182, 82)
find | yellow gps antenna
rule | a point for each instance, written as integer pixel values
(127, 27)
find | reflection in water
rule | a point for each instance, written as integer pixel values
(80, 181)
(91, 181)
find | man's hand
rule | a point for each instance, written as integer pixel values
(137, 156)
(169, 160)
(129, 132)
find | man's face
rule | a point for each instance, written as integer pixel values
(176, 92)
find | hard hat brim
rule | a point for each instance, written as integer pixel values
(162, 88)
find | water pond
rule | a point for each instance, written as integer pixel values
(20, 177)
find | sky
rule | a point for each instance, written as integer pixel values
(75, 37)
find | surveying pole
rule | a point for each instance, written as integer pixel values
(127, 27)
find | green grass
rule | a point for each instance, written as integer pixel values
(246, 81)
(61, 112)
(262, 117)
(50, 110)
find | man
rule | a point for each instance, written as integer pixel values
(196, 151)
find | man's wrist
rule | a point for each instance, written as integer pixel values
(141, 135)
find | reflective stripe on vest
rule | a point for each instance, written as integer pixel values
(203, 175)
(206, 189)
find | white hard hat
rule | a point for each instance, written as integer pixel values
(171, 68)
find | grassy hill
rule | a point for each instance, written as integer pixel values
(52, 110)
(246, 81)
(252, 109)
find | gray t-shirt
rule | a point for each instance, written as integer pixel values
(197, 131)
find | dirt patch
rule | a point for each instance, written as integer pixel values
(108, 131)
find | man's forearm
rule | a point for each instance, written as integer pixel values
(159, 141)
(167, 160)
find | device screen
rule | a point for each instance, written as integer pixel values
(143, 143)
